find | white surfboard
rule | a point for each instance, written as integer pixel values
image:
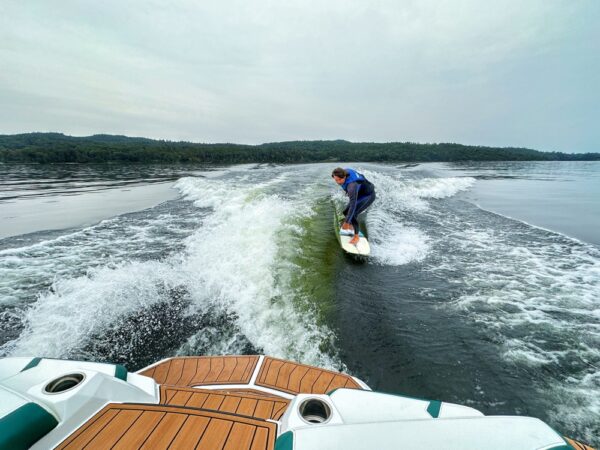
(361, 248)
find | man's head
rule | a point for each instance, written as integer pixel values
(339, 175)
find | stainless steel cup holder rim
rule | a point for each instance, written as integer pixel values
(315, 411)
(64, 383)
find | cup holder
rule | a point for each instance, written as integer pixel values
(64, 383)
(314, 410)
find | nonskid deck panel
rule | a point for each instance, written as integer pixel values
(276, 374)
(195, 371)
(294, 378)
(208, 402)
(233, 403)
(128, 426)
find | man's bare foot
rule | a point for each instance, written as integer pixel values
(355, 239)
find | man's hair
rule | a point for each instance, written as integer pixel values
(339, 172)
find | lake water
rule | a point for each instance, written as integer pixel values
(483, 288)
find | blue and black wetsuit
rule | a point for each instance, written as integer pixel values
(361, 193)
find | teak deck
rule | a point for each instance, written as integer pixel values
(297, 378)
(278, 374)
(578, 445)
(127, 426)
(243, 404)
(195, 371)
(237, 409)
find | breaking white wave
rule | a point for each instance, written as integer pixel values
(232, 261)
(63, 319)
(399, 193)
(392, 242)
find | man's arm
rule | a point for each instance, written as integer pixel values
(353, 195)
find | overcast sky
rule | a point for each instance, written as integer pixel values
(501, 72)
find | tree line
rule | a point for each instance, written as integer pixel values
(59, 148)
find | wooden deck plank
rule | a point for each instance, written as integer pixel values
(244, 368)
(264, 409)
(241, 437)
(99, 421)
(283, 376)
(250, 392)
(190, 433)
(216, 435)
(308, 380)
(578, 445)
(270, 377)
(190, 367)
(137, 434)
(197, 400)
(216, 367)
(245, 404)
(231, 403)
(161, 371)
(297, 378)
(321, 383)
(175, 371)
(214, 401)
(278, 411)
(202, 369)
(261, 439)
(229, 366)
(195, 371)
(116, 428)
(131, 426)
(165, 432)
(179, 398)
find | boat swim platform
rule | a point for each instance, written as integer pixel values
(142, 426)
(245, 404)
(208, 402)
(212, 402)
(276, 376)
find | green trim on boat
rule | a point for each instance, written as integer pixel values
(31, 364)
(25, 426)
(434, 408)
(120, 372)
(285, 441)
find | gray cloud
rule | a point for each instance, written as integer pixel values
(496, 73)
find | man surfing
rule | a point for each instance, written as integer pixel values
(361, 193)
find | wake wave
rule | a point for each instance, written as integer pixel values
(234, 261)
(232, 267)
(392, 242)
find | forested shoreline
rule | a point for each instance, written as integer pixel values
(59, 148)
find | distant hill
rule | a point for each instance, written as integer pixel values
(59, 148)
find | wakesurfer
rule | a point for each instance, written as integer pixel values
(361, 194)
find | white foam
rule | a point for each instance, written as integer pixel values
(396, 245)
(392, 242)
(62, 319)
(543, 288)
(233, 262)
(399, 193)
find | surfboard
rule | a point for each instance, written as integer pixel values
(361, 248)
